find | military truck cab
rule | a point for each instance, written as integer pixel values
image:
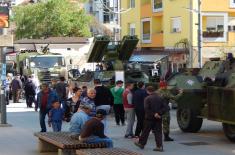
(45, 67)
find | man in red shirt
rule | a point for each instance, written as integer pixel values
(44, 101)
(129, 109)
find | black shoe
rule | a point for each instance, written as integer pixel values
(118, 124)
(159, 149)
(129, 136)
(168, 139)
(139, 145)
(123, 124)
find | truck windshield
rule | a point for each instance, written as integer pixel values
(47, 62)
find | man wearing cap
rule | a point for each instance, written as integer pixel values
(167, 96)
(80, 118)
(93, 130)
(44, 101)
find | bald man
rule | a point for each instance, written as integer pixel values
(91, 93)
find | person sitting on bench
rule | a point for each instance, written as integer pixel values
(80, 118)
(93, 130)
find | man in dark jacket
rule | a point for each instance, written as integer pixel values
(30, 92)
(154, 107)
(16, 86)
(138, 102)
(103, 98)
(60, 89)
(44, 101)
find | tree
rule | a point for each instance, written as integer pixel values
(53, 18)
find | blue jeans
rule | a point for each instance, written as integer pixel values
(104, 121)
(42, 116)
(56, 126)
(96, 139)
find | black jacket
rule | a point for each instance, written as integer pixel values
(30, 88)
(103, 96)
(138, 99)
(154, 104)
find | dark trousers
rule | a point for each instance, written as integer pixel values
(29, 100)
(15, 94)
(149, 125)
(119, 113)
(42, 116)
(140, 121)
(7, 96)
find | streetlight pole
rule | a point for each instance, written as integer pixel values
(199, 35)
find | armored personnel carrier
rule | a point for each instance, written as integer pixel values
(210, 94)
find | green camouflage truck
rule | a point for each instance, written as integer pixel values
(44, 66)
(208, 94)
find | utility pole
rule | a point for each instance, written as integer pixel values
(6, 40)
(3, 79)
(199, 35)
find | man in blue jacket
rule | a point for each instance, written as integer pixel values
(44, 101)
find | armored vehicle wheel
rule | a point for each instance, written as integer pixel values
(229, 131)
(187, 120)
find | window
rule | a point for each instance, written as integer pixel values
(146, 30)
(232, 3)
(132, 29)
(106, 18)
(215, 24)
(176, 24)
(157, 5)
(132, 3)
(231, 24)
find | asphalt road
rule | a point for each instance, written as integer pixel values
(19, 138)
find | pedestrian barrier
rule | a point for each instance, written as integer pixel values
(62, 142)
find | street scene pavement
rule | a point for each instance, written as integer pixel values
(19, 138)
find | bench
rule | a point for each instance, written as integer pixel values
(106, 151)
(62, 142)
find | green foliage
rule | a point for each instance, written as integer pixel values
(53, 18)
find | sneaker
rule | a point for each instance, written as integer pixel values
(128, 136)
(159, 149)
(139, 145)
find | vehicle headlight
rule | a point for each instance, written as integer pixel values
(54, 74)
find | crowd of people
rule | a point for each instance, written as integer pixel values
(86, 109)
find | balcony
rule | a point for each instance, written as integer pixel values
(213, 34)
(156, 40)
(146, 38)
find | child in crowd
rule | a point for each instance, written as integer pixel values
(56, 115)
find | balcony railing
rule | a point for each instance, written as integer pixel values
(212, 34)
(146, 36)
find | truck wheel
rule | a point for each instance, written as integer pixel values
(188, 121)
(229, 131)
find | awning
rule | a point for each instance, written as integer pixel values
(146, 58)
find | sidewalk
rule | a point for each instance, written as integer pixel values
(19, 139)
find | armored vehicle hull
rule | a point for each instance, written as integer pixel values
(208, 95)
